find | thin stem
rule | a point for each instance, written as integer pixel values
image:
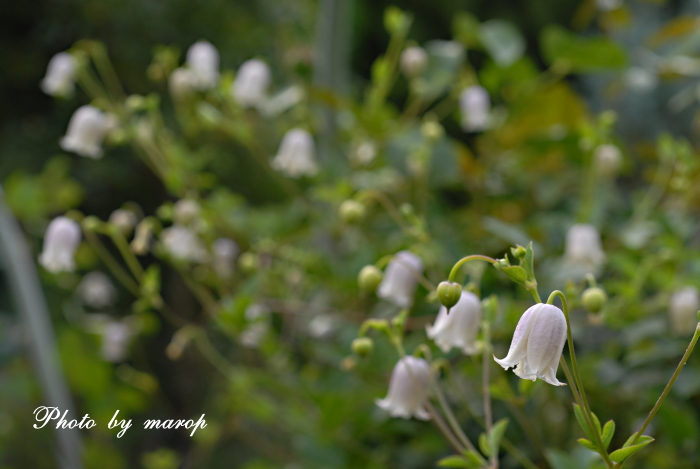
(668, 387)
(127, 253)
(488, 415)
(440, 424)
(112, 264)
(211, 354)
(464, 260)
(451, 419)
(389, 207)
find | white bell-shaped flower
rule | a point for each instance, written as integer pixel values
(683, 310)
(296, 156)
(584, 249)
(60, 243)
(363, 152)
(116, 337)
(607, 159)
(60, 75)
(203, 60)
(408, 389)
(96, 290)
(186, 211)
(252, 80)
(537, 344)
(475, 108)
(125, 220)
(400, 279)
(460, 327)
(183, 244)
(413, 61)
(225, 251)
(182, 82)
(86, 131)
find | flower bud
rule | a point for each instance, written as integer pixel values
(181, 83)
(475, 107)
(607, 160)
(594, 299)
(252, 80)
(60, 243)
(352, 211)
(124, 220)
(86, 131)
(432, 130)
(401, 279)
(96, 290)
(142, 239)
(460, 327)
(683, 310)
(584, 250)
(248, 262)
(537, 344)
(296, 154)
(518, 252)
(369, 278)
(413, 61)
(363, 152)
(60, 75)
(362, 346)
(186, 211)
(408, 389)
(203, 60)
(449, 293)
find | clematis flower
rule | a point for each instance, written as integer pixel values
(413, 61)
(186, 211)
(252, 80)
(86, 130)
(460, 327)
(125, 220)
(96, 290)
(475, 107)
(181, 83)
(683, 310)
(408, 389)
(60, 243)
(183, 244)
(225, 251)
(399, 282)
(296, 154)
(537, 344)
(583, 247)
(203, 60)
(60, 76)
(608, 160)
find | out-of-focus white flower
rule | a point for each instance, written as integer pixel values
(182, 244)
(683, 310)
(608, 5)
(296, 156)
(363, 152)
(400, 282)
(225, 251)
(181, 83)
(203, 60)
(408, 389)
(186, 211)
(258, 315)
(537, 344)
(125, 220)
(460, 327)
(60, 243)
(142, 239)
(608, 160)
(86, 131)
(583, 248)
(641, 80)
(252, 80)
(285, 99)
(96, 290)
(475, 107)
(60, 75)
(413, 61)
(116, 337)
(322, 326)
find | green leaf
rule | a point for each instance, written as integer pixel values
(587, 444)
(642, 439)
(578, 412)
(496, 435)
(484, 444)
(474, 459)
(503, 41)
(622, 454)
(581, 54)
(455, 461)
(515, 273)
(528, 261)
(608, 432)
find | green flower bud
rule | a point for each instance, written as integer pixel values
(369, 278)
(352, 211)
(248, 262)
(449, 293)
(594, 299)
(362, 346)
(519, 252)
(432, 131)
(91, 223)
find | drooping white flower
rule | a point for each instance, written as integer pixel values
(683, 310)
(400, 282)
(182, 244)
(583, 248)
(322, 326)
(116, 337)
(60, 76)
(86, 131)
(413, 61)
(125, 220)
(60, 243)
(252, 80)
(203, 60)
(460, 327)
(96, 290)
(608, 159)
(363, 152)
(285, 99)
(537, 344)
(475, 108)
(181, 83)
(186, 211)
(258, 316)
(225, 251)
(142, 239)
(296, 154)
(408, 389)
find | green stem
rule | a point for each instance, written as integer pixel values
(451, 419)
(127, 253)
(488, 415)
(464, 260)
(112, 264)
(389, 207)
(440, 424)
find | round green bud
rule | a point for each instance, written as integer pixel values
(352, 211)
(449, 293)
(594, 299)
(248, 262)
(519, 251)
(91, 223)
(362, 346)
(432, 131)
(369, 278)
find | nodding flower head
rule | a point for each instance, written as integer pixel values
(96, 290)
(86, 131)
(183, 244)
(583, 248)
(60, 75)
(60, 243)
(400, 279)
(475, 107)
(203, 60)
(181, 83)
(608, 160)
(537, 344)
(116, 337)
(413, 61)
(224, 252)
(460, 327)
(252, 80)
(296, 156)
(408, 389)
(683, 310)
